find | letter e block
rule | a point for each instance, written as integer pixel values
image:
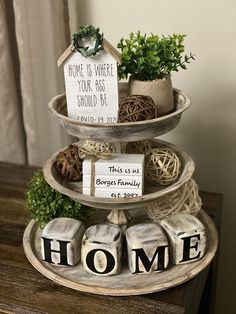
(187, 237)
(101, 252)
(147, 247)
(61, 241)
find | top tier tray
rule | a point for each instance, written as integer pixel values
(117, 132)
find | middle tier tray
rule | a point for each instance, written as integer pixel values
(151, 192)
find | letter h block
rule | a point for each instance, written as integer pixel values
(147, 247)
(61, 241)
(101, 252)
(187, 237)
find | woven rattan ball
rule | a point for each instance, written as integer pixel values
(136, 108)
(162, 166)
(69, 163)
(140, 147)
(184, 200)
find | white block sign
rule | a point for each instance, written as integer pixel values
(92, 88)
(120, 177)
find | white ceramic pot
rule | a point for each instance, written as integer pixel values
(160, 90)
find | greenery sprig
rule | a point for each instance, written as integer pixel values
(44, 203)
(87, 32)
(152, 57)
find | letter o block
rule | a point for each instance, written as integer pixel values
(187, 237)
(147, 247)
(61, 241)
(101, 252)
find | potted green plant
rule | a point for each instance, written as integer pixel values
(44, 203)
(150, 60)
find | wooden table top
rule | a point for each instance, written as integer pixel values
(24, 290)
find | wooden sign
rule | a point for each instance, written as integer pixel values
(92, 88)
(120, 177)
(187, 237)
(61, 241)
(147, 247)
(102, 250)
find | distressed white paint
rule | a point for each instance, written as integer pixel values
(148, 236)
(180, 226)
(106, 237)
(64, 229)
(91, 93)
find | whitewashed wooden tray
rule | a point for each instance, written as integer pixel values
(117, 132)
(151, 192)
(125, 283)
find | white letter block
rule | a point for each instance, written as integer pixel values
(61, 241)
(102, 250)
(187, 237)
(147, 247)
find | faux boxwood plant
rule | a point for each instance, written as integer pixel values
(44, 203)
(152, 57)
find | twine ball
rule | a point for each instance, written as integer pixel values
(98, 147)
(136, 108)
(184, 200)
(162, 166)
(69, 163)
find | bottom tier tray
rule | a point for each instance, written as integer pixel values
(125, 283)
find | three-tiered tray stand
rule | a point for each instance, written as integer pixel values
(117, 211)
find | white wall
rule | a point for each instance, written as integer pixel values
(207, 130)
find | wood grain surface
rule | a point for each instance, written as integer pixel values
(24, 290)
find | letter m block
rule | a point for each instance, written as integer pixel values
(147, 247)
